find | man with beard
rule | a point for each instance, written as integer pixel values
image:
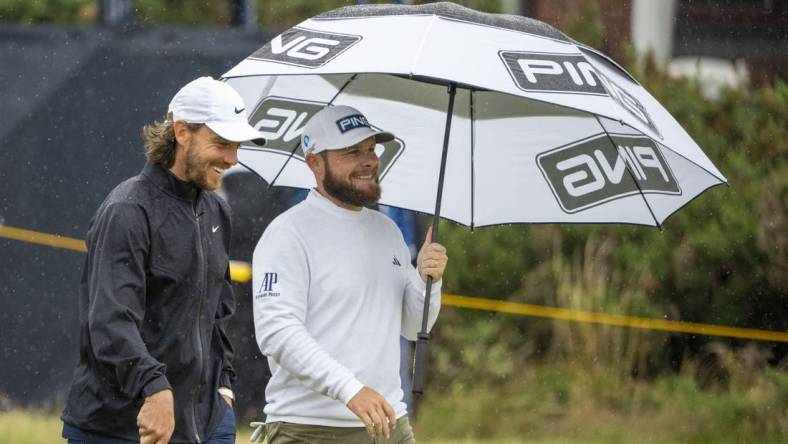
(333, 291)
(155, 362)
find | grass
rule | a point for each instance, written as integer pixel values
(33, 427)
(562, 404)
(29, 427)
(582, 404)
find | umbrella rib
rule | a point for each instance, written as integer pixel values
(676, 152)
(342, 88)
(629, 170)
(284, 165)
(417, 56)
(720, 179)
(270, 185)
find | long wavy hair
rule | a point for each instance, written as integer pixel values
(159, 140)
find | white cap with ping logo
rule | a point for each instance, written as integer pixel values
(338, 127)
(218, 106)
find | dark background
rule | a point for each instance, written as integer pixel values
(74, 102)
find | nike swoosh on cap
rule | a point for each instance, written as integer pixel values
(238, 111)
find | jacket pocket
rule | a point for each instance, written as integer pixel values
(175, 247)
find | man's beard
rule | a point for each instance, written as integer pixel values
(345, 191)
(197, 170)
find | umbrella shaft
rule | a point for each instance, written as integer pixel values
(422, 345)
(438, 198)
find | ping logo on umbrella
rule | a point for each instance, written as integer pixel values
(569, 73)
(592, 171)
(557, 73)
(305, 47)
(281, 121)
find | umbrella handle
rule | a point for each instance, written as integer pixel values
(420, 363)
(421, 353)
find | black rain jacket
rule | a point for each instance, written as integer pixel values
(154, 301)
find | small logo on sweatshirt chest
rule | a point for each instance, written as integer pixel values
(396, 262)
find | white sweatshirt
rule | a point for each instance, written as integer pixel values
(333, 291)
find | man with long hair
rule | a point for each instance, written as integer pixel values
(334, 289)
(155, 362)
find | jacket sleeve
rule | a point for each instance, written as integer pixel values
(413, 303)
(119, 243)
(224, 312)
(280, 291)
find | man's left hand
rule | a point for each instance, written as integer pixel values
(432, 259)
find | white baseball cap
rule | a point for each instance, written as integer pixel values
(218, 106)
(338, 127)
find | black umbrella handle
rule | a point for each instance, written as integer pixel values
(420, 361)
(423, 337)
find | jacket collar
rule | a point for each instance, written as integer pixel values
(164, 179)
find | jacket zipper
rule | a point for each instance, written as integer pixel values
(200, 297)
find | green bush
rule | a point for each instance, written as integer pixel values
(719, 260)
(186, 12)
(47, 11)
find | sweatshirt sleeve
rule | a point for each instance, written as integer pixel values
(119, 244)
(413, 303)
(280, 275)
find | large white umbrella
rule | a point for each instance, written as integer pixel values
(535, 127)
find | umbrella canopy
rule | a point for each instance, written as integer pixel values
(543, 129)
(499, 119)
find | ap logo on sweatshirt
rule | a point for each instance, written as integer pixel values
(267, 287)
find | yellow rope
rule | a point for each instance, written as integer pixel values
(42, 238)
(242, 272)
(610, 319)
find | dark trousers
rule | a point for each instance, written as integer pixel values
(224, 433)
